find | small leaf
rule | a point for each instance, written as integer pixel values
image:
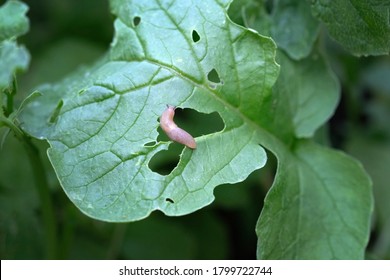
(293, 27)
(13, 58)
(13, 20)
(304, 97)
(361, 26)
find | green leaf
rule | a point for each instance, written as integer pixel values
(249, 14)
(13, 20)
(361, 26)
(293, 27)
(103, 127)
(290, 23)
(13, 23)
(304, 97)
(12, 59)
(318, 208)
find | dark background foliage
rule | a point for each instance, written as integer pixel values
(66, 34)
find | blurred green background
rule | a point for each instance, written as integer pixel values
(67, 34)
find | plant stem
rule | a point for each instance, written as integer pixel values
(10, 93)
(39, 172)
(43, 190)
(40, 179)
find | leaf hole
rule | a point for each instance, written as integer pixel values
(170, 200)
(150, 144)
(136, 20)
(213, 76)
(213, 86)
(165, 161)
(195, 36)
(195, 123)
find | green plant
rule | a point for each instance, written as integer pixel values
(262, 97)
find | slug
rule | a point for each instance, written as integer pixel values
(174, 132)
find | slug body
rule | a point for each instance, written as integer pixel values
(174, 132)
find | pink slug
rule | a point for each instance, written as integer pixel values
(174, 132)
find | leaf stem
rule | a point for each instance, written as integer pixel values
(10, 93)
